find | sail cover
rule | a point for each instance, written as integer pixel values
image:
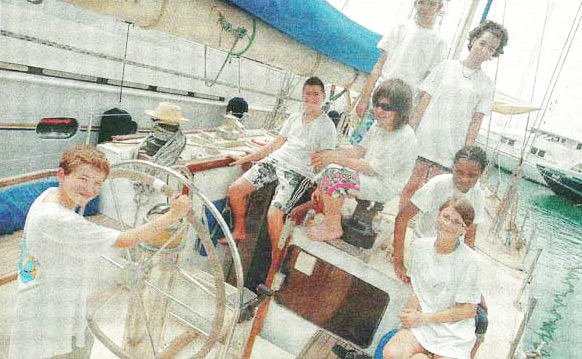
(508, 105)
(320, 26)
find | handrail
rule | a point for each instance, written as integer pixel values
(33, 176)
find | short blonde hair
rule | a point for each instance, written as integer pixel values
(83, 154)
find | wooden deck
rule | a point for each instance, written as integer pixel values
(10, 253)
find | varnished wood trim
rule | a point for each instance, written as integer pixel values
(8, 278)
(14, 180)
(198, 166)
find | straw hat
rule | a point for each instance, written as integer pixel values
(168, 113)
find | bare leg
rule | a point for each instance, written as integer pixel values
(331, 228)
(416, 180)
(475, 348)
(276, 222)
(237, 195)
(404, 345)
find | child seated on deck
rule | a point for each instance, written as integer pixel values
(286, 160)
(468, 167)
(62, 247)
(438, 321)
(377, 168)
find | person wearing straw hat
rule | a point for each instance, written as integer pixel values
(165, 144)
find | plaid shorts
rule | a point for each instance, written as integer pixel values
(290, 189)
(481, 323)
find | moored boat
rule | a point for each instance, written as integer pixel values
(565, 182)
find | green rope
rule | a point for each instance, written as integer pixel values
(239, 32)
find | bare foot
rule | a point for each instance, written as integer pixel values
(401, 272)
(237, 234)
(321, 233)
(387, 242)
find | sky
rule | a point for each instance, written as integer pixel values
(515, 71)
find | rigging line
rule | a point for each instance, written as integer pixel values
(228, 56)
(522, 85)
(537, 47)
(496, 64)
(536, 77)
(123, 62)
(558, 69)
(343, 6)
(486, 11)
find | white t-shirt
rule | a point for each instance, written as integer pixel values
(440, 281)
(456, 94)
(430, 197)
(412, 52)
(391, 155)
(51, 307)
(302, 140)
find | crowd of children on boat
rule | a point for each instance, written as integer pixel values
(416, 143)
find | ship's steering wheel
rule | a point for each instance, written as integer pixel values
(135, 271)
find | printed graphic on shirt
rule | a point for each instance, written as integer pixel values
(27, 265)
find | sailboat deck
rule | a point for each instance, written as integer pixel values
(320, 347)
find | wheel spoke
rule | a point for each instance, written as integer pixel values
(110, 260)
(171, 297)
(199, 283)
(147, 324)
(118, 213)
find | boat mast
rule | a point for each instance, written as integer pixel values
(462, 35)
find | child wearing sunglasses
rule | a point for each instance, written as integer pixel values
(375, 169)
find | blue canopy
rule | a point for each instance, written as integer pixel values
(320, 26)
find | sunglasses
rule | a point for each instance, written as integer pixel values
(388, 107)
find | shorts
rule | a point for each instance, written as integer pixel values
(290, 189)
(337, 181)
(481, 323)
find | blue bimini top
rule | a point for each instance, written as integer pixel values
(318, 25)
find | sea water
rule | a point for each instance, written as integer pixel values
(557, 319)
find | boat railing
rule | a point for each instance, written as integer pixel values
(29, 177)
(520, 332)
(528, 277)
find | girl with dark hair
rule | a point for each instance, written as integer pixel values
(373, 170)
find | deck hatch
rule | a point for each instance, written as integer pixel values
(332, 299)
